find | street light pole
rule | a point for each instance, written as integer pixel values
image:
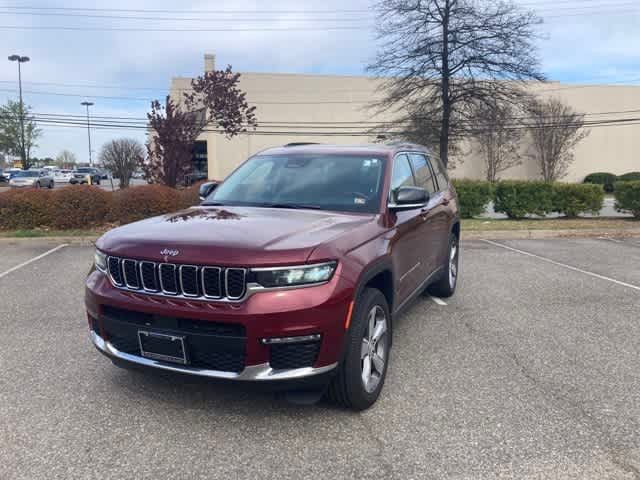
(88, 104)
(23, 150)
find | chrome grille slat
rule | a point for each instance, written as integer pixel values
(168, 279)
(188, 275)
(235, 282)
(176, 280)
(148, 276)
(129, 268)
(211, 282)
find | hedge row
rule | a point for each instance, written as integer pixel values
(82, 206)
(608, 180)
(628, 197)
(517, 199)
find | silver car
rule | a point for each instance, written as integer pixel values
(32, 179)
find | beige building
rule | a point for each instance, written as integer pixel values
(335, 109)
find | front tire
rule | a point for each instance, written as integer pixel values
(445, 286)
(361, 374)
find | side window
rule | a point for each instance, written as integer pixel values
(424, 177)
(402, 174)
(441, 172)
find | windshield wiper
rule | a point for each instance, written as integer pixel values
(293, 206)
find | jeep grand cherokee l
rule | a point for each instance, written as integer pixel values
(291, 272)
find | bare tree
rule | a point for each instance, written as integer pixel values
(66, 159)
(122, 157)
(497, 138)
(441, 57)
(555, 129)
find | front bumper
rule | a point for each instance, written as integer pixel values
(260, 372)
(307, 311)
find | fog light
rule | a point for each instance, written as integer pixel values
(300, 339)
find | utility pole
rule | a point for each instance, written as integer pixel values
(88, 104)
(23, 150)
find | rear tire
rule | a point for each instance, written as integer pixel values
(445, 286)
(37, 184)
(361, 374)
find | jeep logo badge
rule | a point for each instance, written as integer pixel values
(167, 252)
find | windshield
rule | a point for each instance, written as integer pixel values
(84, 170)
(26, 174)
(350, 183)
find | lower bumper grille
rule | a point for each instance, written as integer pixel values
(294, 355)
(209, 345)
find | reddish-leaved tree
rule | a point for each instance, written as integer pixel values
(216, 101)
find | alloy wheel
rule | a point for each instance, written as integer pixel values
(453, 263)
(373, 352)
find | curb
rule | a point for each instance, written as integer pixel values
(466, 235)
(80, 241)
(542, 234)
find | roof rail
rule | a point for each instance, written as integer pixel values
(299, 144)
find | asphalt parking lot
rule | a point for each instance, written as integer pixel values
(531, 371)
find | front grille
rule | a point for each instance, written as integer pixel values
(191, 281)
(294, 355)
(209, 345)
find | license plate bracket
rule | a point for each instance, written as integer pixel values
(162, 346)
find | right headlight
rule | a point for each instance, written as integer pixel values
(294, 276)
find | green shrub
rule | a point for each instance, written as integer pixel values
(628, 197)
(629, 177)
(573, 199)
(136, 203)
(602, 178)
(473, 196)
(25, 209)
(518, 199)
(79, 206)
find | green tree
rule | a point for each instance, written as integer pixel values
(11, 139)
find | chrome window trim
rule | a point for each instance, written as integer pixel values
(244, 283)
(204, 288)
(164, 290)
(188, 295)
(144, 287)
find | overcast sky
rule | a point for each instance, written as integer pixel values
(585, 41)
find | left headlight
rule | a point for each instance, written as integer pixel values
(100, 260)
(294, 276)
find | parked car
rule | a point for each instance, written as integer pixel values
(2, 177)
(291, 272)
(11, 171)
(81, 175)
(32, 179)
(62, 175)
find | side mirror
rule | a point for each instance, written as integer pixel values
(206, 189)
(408, 198)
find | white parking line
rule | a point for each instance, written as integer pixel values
(439, 301)
(610, 239)
(564, 265)
(24, 264)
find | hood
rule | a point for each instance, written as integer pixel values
(242, 236)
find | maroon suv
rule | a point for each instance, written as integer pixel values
(291, 272)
